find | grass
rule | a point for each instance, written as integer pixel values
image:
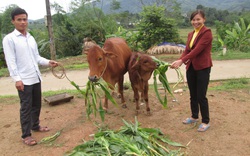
(184, 33)
(9, 99)
(241, 83)
(230, 55)
(4, 72)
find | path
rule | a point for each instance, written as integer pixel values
(220, 70)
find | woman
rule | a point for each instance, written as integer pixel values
(197, 58)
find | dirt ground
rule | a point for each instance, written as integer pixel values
(228, 134)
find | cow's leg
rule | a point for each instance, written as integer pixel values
(105, 104)
(116, 94)
(120, 90)
(146, 98)
(136, 98)
(142, 96)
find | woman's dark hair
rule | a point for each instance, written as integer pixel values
(197, 12)
(17, 11)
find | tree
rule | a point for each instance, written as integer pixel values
(154, 28)
(115, 5)
(239, 36)
(172, 8)
(6, 25)
(85, 20)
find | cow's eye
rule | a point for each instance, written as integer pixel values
(99, 59)
(145, 62)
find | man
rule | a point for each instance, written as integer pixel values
(22, 58)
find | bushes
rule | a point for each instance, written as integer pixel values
(235, 37)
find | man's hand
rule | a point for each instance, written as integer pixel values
(53, 63)
(19, 85)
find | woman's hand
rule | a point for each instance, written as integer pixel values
(176, 64)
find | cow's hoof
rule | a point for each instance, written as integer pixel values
(118, 96)
(125, 87)
(136, 113)
(105, 109)
(110, 112)
(148, 113)
(124, 106)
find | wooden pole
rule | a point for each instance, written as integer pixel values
(50, 30)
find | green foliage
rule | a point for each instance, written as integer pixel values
(131, 139)
(85, 21)
(2, 60)
(6, 25)
(238, 37)
(155, 28)
(92, 95)
(129, 36)
(67, 36)
(218, 41)
(115, 5)
(44, 48)
(213, 15)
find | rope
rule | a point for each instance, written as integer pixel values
(60, 72)
(104, 68)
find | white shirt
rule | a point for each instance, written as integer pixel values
(22, 57)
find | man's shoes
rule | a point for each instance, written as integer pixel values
(29, 141)
(42, 129)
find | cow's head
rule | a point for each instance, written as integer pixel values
(144, 62)
(98, 62)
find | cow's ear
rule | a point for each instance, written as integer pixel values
(110, 55)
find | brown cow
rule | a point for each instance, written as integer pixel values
(140, 70)
(109, 63)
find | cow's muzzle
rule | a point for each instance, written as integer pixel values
(93, 78)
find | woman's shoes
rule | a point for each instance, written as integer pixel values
(203, 127)
(189, 120)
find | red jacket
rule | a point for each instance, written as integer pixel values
(200, 53)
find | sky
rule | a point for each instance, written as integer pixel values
(36, 9)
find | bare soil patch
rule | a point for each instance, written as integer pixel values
(228, 134)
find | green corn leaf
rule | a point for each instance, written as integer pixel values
(107, 94)
(78, 88)
(156, 90)
(165, 84)
(93, 95)
(101, 111)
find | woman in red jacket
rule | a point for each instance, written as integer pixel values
(197, 58)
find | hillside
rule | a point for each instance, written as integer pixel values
(230, 5)
(135, 6)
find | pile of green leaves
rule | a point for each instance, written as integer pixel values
(131, 139)
(160, 74)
